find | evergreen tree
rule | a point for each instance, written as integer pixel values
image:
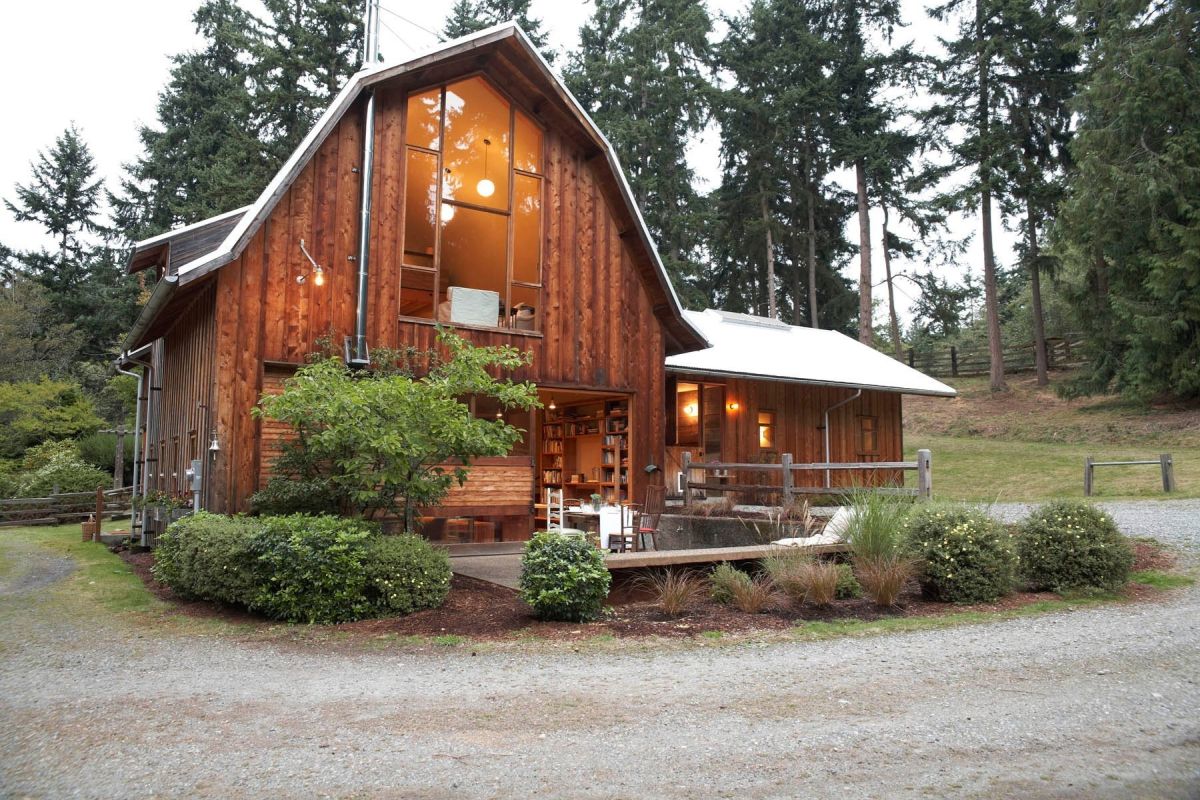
(641, 71)
(468, 16)
(1129, 230)
(1041, 64)
(965, 83)
(206, 156)
(32, 343)
(306, 52)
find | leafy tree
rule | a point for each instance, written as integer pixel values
(468, 16)
(31, 341)
(1128, 229)
(33, 411)
(390, 442)
(641, 71)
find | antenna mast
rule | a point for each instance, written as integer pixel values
(371, 32)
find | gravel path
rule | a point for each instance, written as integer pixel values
(1090, 704)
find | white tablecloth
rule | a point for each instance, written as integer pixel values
(610, 519)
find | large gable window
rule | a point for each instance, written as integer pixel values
(473, 209)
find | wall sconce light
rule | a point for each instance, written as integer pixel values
(734, 406)
(690, 409)
(215, 447)
(317, 273)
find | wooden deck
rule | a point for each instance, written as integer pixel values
(708, 555)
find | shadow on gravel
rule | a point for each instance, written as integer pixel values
(35, 571)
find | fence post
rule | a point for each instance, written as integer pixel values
(924, 474)
(119, 460)
(1168, 472)
(912, 358)
(1088, 469)
(687, 475)
(953, 361)
(785, 461)
(99, 512)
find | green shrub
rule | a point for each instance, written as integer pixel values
(563, 578)
(282, 496)
(57, 466)
(311, 568)
(1073, 545)
(963, 555)
(875, 529)
(848, 587)
(726, 581)
(34, 411)
(100, 450)
(208, 557)
(405, 574)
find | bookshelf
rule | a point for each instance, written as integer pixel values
(585, 450)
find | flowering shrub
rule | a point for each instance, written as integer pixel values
(405, 574)
(207, 557)
(563, 578)
(964, 556)
(1072, 545)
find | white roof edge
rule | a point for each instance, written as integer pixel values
(237, 238)
(783, 379)
(164, 236)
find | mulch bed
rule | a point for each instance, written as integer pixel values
(484, 611)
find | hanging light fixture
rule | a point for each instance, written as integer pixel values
(447, 212)
(485, 187)
(552, 406)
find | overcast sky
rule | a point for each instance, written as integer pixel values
(102, 64)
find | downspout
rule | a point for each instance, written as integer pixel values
(137, 415)
(835, 407)
(361, 356)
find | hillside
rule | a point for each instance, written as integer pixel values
(1029, 444)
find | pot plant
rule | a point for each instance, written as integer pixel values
(596, 500)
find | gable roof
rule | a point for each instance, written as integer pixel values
(179, 246)
(747, 346)
(508, 34)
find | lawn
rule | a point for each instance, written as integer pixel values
(1030, 444)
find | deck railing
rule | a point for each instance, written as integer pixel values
(786, 469)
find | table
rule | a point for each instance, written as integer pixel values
(608, 517)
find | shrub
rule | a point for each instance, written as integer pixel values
(673, 590)
(848, 587)
(282, 496)
(875, 529)
(100, 450)
(34, 411)
(1072, 545)
(405, 574)
(963, 555)
(57, 465)
(311, 568)
(207, 557)
(724, 580)
(755, 595)
(563, 578)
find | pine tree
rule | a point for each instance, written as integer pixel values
(965, 82)
(1040, 71)
(468, 16)
(305, 53)
(1129, 230)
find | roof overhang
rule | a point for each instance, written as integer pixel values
(711, 373)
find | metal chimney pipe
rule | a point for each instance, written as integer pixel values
(361, 356)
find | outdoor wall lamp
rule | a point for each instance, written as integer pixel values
(215, 447)
(690, 409)
(317, 273)
(734, 406)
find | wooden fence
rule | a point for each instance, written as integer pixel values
(787, 484)
(68, 507)
(1062, 352)
(1164, 462)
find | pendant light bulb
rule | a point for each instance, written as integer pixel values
(552, 406)
(485, 188)
(447, 213)
(319, 276)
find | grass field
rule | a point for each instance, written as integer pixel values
(1028, 444)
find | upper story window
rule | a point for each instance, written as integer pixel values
(473, 209)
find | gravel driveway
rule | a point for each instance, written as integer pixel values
(1090, 704)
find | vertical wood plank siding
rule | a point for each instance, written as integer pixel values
(598, 324)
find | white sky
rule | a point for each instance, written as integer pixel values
(102, 64)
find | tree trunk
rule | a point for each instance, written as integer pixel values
(893, 322)
(772, 308)
(1035, 290)
(813, 310)
(991, 299)
(866, 332)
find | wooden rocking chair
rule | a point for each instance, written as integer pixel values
(642, 524)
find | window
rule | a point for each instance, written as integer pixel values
(766, 430)
(868, 436)
(473, 209)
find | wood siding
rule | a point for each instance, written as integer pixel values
(599, 328)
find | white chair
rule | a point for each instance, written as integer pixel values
(556, 513)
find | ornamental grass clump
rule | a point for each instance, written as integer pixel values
(673, 590)
(751, 594)
(563, 578)
(1072, 545)
(724, 580)
(875, 536)
(963, 555)
(802, 578)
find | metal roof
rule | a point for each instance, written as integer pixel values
(758, 347)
